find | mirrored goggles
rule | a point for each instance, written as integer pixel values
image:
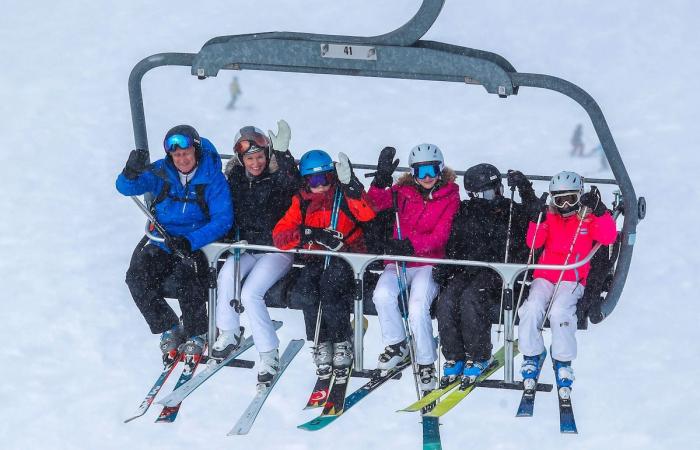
(424, 171)
(566, 199)
(319, 179)
(176, 141)
(250, 140)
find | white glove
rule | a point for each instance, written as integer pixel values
(343, 168)
(280, 141)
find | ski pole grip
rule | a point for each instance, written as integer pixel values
(370, 174)
(395, 200)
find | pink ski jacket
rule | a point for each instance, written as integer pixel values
(426, 223)
(556, 234)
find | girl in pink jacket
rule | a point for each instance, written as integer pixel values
(568, 230)
(427, 200)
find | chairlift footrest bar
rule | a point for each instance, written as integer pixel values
(242, 363)
(516, 386)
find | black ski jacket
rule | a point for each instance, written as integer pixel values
(261, 201)
(479, 232)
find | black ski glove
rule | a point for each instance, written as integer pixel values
(592, 201)
(517, 179)
(399, 247)
(386, 165)
(179, 244)
(331, 239)
(536, 205)
(136, 164)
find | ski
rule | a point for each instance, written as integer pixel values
(319, 395)
(431, 433)
(429, 398)
(567, 423)
(456, 396)
(335, 404)
(248, 418)
(527, 401)
(169, 364)
(169, 413)
(178, 395)
(354, 398)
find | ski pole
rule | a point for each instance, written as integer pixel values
(157, 225)
(333, 224)
(236, 302)
(584, 212)
(403, 294)
(530, 259)
(505, 260)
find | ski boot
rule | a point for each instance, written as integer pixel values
(530, 370)
(170, 340)
(427, 377)
(564, 375)
(227, 342)
(472, 369)
(323, 358)
(450, 371)
(342, 355)
(194, 346)
(393, 355)
(269, 367)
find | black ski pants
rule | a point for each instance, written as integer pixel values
(334, 288)
(464, 315)
(149, 268)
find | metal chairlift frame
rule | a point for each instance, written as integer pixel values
(398, 54)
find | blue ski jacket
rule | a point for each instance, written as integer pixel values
(180, 211)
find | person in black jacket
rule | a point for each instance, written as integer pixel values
(479, 233)
(263, 177)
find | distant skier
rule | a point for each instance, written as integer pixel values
(427, 200)
(235, 91)
(307, 224)
(193, 204)
(567, 237)
(479, 232)
(263, 177)
(598, 151)
(577, 141)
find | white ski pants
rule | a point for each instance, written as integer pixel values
(562, 319)
(261, 271)
(422, 293)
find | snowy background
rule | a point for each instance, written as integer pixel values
(78, 356)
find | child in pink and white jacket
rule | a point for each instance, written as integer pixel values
(427, 200)
(568, 231)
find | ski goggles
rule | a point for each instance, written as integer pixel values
(319, 179)
(172, 143)
(566, 199)
(427, 170)
(250, 140)
(487, 194)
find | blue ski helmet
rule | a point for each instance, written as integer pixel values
(315, 161)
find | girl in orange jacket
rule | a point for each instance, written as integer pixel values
(308, 223)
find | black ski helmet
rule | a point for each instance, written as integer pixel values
(481, 177)
(188, 131)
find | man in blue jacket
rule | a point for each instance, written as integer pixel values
(192, 202)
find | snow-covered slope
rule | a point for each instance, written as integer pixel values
(79, 356)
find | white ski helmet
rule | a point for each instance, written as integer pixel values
(566, 182)
(423, 153)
